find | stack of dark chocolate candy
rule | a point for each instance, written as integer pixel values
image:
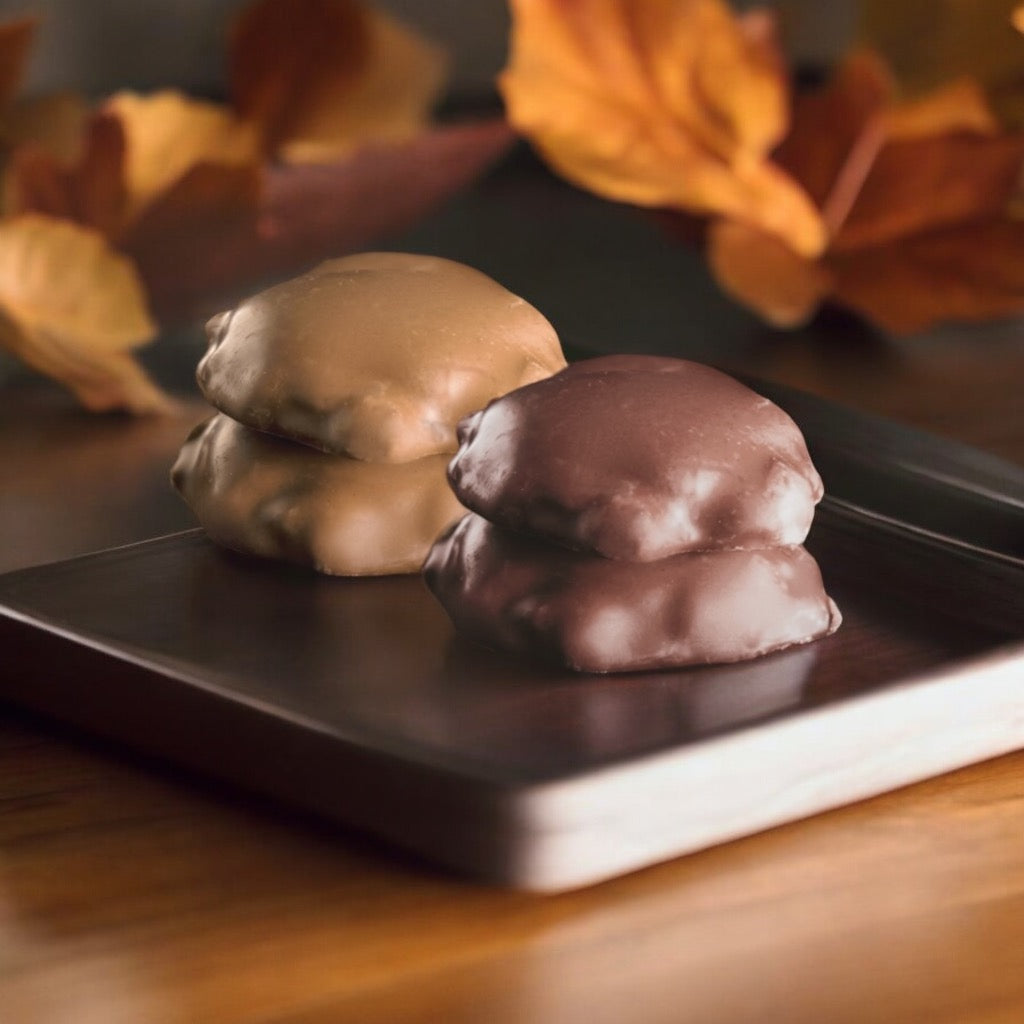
(633, 512)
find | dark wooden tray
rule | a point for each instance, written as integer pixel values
(354, 698)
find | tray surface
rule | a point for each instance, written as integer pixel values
(205, 643)
(355, 698)
(376, 660)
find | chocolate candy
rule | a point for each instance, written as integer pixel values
(266, 496)
(639, 458)
(377, 355)
(630, 513)
(524, 595)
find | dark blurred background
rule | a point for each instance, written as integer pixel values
(103, 45)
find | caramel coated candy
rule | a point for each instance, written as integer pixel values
(265, 496)
(639, 458)
(377, 355)
(594, 614)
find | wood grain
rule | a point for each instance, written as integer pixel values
(129, 895)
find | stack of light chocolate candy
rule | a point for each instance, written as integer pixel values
(633, 512)
(339, 393)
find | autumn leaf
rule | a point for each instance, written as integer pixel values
(73, 308)
(199, 234)
(16, 38)
(957, 105)
(836, 132)
(322, 77)
(924, 184)
(970, 272)
(50, 127)
(53, 121)
(313, 79)
(195, 264)
(180, 202)
(134, 150)
(929, 42)
(168, 133)
(280, 53)
(50, 123)
(91, 189)
(909, 192)
(764, 273)
(669, 103)
(880, 168)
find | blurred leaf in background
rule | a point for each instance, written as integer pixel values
(899, 203)
(928, 42)
(73, 308)
(169, 202)
(917, 197)
(661, 104)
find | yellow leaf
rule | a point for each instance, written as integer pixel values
(960, 105)
(762, 272)
(753, 98)
(72, 308)
(667, 103)
(168, 133)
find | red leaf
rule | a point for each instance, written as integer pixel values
(969, 273)
(281, 51)
(306, 214)
(92, 192)
(924, 183)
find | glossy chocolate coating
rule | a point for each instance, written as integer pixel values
(594, 614)
(377, 355)
(265, 496)
(639, 458)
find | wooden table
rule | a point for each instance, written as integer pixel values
(133, 893)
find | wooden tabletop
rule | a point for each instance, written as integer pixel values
(131, 892)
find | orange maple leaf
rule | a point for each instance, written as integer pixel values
(916, 198)
(666, 103)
